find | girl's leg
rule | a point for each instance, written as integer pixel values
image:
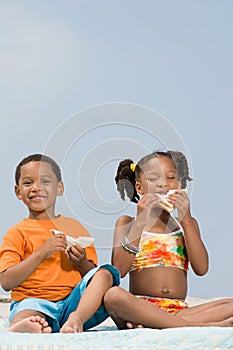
(122, 305)
(215, 311)
(90, 301)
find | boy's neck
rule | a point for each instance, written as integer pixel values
(42, 216)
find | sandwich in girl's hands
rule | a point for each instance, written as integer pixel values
(83, 241)
(164, 204)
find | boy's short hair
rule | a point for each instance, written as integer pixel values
(38, 158)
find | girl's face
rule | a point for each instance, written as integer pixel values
(38, 188)
(159, 176)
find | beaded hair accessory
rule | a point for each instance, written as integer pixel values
(132, 166)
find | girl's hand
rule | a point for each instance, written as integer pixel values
(144, 207)
(55, 243)
(76, 254)
(181, 201)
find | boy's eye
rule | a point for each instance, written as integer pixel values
(27, 183)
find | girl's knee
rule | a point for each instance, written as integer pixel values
(113, 297)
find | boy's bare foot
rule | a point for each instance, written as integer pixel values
(31, 324)
(73, 325)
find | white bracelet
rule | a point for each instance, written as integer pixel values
(130, 244)
(128, 249)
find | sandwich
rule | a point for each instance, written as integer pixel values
(164, 204)
(83, 241)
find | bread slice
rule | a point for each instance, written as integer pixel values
(164, 204)
(83, 241)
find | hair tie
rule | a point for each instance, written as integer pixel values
(132, 166)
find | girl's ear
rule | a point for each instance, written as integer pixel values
(138, 188)
(17, 192)
(179, 185)
(60, 188)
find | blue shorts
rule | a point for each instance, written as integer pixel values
(57, 312)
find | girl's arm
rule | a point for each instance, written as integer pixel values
(197, 253)
(121, 258)
(17, 274)
(131, 229)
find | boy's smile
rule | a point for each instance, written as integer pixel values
(38, 188)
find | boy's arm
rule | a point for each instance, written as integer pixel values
(77, 256)
(14, 275)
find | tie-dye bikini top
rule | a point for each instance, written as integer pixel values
(161, 249)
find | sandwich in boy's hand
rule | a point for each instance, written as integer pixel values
(83, 241)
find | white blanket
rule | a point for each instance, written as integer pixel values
(106, 336)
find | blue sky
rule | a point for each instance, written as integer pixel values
(82, 60)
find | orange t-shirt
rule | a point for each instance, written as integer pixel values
(55, 277)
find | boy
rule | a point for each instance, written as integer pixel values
(45, 278)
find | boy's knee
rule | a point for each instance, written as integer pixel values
(106, 275)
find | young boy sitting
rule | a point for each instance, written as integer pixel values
(47, 280)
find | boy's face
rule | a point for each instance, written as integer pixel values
(38, 188)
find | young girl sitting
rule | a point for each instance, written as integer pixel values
(157, 248)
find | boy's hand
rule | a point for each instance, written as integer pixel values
(55, 243)
(76, 254)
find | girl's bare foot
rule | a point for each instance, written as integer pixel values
(226, 323)
(132, 325)
(31, 324)
(73, 325)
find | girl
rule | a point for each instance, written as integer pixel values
(156, 248)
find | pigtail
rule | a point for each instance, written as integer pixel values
(182, 167)
(125, 180)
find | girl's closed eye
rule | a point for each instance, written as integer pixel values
(152, 179)
(46, 181)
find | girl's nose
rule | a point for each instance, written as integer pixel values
(162, 183)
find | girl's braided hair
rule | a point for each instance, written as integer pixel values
(126, 177)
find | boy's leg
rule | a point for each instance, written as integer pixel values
(34, 315)
(90, 301)
(30, 324)
(85, 304)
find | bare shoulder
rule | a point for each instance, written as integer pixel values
(124, 220)
(122, 227)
